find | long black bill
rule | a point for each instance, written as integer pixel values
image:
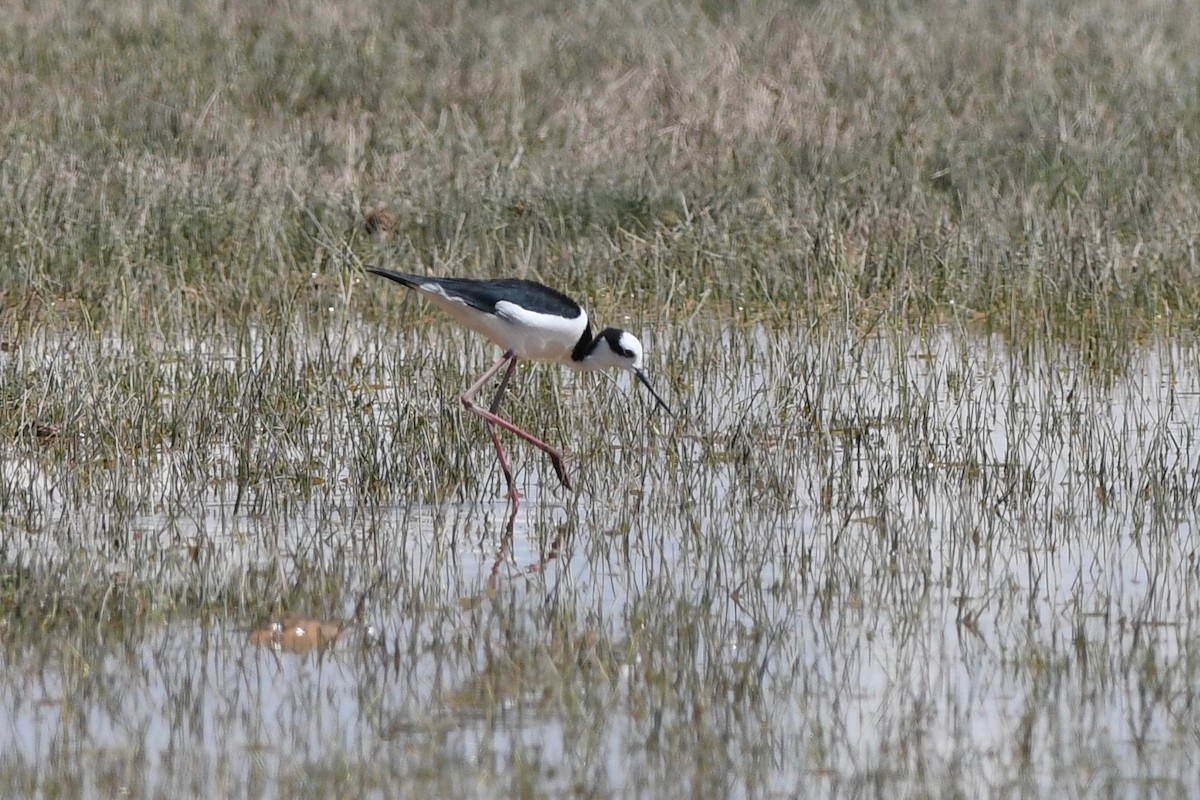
(646, 382)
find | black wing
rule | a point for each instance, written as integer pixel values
(485, 295)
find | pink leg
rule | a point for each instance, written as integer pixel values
(492, 419)
(495, 407)
(513, 494)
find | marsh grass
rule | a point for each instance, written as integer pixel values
(783, 586)
(920, 280)
(1033, 165)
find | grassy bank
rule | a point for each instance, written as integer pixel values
(1029, 164)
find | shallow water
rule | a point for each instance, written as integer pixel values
(888, 564)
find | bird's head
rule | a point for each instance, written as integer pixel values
(618, 348)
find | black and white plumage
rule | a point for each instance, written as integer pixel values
(529, 321)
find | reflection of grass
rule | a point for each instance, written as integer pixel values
(724, 576)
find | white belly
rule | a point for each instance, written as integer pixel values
(532, 336)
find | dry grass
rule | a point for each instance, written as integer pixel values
(1031, 165)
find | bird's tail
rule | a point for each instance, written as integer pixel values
(411, 281)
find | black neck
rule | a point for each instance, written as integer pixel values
(585, 345)
(588, 343)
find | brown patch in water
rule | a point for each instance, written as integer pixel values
(43, 432)
(294, 634)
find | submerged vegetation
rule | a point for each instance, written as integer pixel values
(1031, 164)
(921, 279)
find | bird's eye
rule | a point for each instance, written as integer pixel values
(619, 345)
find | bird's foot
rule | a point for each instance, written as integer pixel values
(557, 460)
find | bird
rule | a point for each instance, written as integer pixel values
(532, 322)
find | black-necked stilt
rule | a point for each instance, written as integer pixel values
(533, 322)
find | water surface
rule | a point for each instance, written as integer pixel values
(891, 564)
